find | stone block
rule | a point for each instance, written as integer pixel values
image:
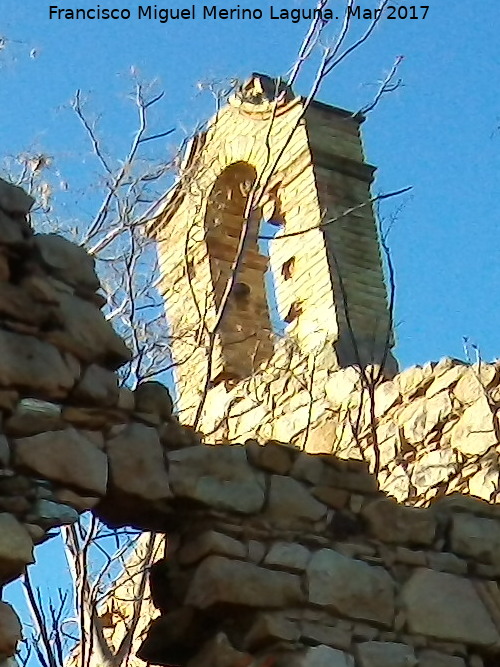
(322, 436)
(476, 538)
(97, 386)
(322, 656)
(272, 456)
(386, 654)
(14, 199)
(4, 452)
(75, 500)
(446, 379)
(422, 415)
(394, 523)
(33, 416)
(291, 504)
(91, 419)
(310, 469)
(474, 382)
(16, 548)
(446, 562)
(67, 261)
(16, 304)
(475, 432)
(366, 633)
(447, 607)
(154, 398)
(219, 652)
(485, 482)
(34, 366)
(360, 481)
(41, 289)
(412, 420)
(217, 476)
(126, 399)
(8, 400)
(287, 556)
(219, 580)
(137, 465)
(433, 468)
(396, 483)
(16, 505)
(65, 457)
(350, 587)
(335, 498)
(414, 380)
(10, 630)
(319, 633)
(385, 396)
(11, 231)
(48, 514)
(256, 551)
(410, 557)
(342, 386)
(210, 542)
(270, 628)
(430, 658)
(87, 334)
(174, 436)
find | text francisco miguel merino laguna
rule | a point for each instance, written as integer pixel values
(165, 14)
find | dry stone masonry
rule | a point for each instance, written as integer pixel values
(313, 520)
(311, 554)
(70, 436)
(434, 429)
(284, 557)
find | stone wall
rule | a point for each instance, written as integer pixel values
(435, 428)
(296, 559)
(281, 509)
(283, 551)
(69, 435)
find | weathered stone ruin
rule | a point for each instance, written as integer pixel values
(311, 520)
(306, 166)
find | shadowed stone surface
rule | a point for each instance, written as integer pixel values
(64, 456)
(14, 199)
(391, 522)
(350, 587)
(16, 548)
(33, 365)
(323, 656)
(220, 580)
(218, 477)
(137, 464)
(386, 654)
(67, 261)
(87, 334)
(10, 630)
(447, 607)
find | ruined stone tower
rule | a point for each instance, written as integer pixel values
(267, 162)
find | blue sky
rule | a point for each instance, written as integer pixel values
(437, 133)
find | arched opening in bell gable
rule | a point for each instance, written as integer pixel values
(246, 328)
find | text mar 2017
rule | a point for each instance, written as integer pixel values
(237, 12)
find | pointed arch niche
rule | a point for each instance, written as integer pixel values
(246, 329)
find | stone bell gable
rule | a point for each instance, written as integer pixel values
(268, 157)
